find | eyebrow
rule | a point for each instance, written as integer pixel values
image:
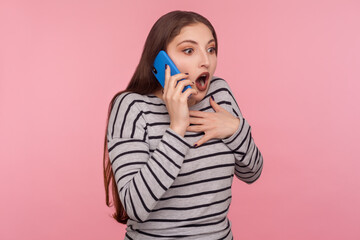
(194, 42)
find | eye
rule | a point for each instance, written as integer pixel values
(188, 51)
(212, 50)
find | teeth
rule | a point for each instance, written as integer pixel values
(202, 79)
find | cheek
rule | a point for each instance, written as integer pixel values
(184, 65)
(213, 67)
(214, 64)
(179, 61)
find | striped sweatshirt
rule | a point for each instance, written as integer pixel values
(169, 188)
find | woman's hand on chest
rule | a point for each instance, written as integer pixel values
(219, 124)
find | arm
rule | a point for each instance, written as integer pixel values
(141, 179)
(230, 126)
(249, 161)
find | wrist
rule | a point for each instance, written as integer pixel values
(179, 130)
(234, 126)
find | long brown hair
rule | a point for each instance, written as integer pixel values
(144, 82)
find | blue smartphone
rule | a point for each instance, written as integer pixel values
(159, 68)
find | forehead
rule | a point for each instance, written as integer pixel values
(198, 32)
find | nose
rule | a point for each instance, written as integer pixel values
(204, 59)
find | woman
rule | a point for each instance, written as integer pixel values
(171, 155)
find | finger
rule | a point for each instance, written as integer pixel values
(188, 92)
(182, 84)
(174, 79)
(196, 120)
(185, 82)
(198, 114)
(202, 140)
(214, 105)
(195, 128)
(167, 77)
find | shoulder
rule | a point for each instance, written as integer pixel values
(222, 93)
(124, 105)
(128, 98)
(134, 101)
(125, 113)
(219, 86)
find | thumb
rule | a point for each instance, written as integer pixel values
(214, 105)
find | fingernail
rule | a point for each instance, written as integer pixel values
(187, 73)
(212, 97)
(195, 145)
(165, 66)
(193, 83)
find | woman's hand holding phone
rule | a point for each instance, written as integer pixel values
(177, 101)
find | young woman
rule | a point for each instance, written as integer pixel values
(170, 156)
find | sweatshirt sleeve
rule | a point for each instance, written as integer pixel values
(249, 161)
(141, 178)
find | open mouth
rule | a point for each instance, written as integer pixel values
(202, 81)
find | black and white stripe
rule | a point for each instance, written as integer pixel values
(169, 188)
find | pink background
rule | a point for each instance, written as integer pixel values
(294, 67)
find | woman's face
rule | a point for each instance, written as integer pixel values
(193, 52)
